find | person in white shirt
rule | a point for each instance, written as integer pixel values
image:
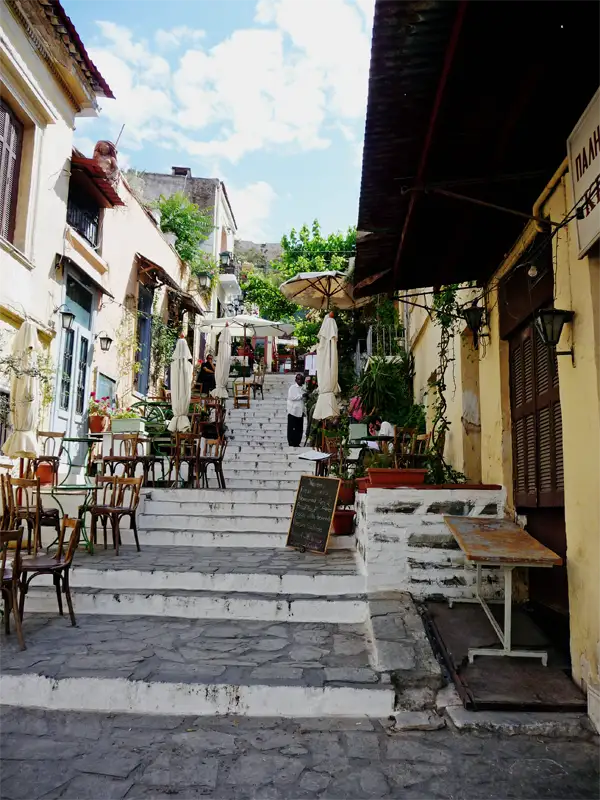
(295, 409)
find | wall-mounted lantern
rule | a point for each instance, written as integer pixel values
(105, 341)
(550, 323)
(67, 317)
(474, 316)
(226, 258)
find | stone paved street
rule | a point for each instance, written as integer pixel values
(77, 756)
(209, 560)
(194, 651)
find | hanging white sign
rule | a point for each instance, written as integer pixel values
(583, 147)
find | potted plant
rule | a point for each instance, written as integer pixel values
(98, 413)
(126, 420)
(361, 480)
(383, 475)
(347, 486)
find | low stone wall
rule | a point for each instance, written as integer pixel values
(405, 545)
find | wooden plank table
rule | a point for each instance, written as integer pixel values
(500, 543)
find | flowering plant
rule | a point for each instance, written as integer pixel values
(125, 413)
(99, 408)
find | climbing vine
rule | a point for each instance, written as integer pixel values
(445, 314)
(163, 341)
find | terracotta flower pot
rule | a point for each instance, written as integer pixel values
(362, 484)
(346, 493)
(343, 522)
(395, 478)
(45, 473)
(98, 423)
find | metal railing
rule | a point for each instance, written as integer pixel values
(85, 222)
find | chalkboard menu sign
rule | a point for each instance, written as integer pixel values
(314, 508)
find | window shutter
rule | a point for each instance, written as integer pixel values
(523, 419)
(537, 424)
(11, 138)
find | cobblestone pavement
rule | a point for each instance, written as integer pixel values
(76, 756)
(272, 561)
(193, 651)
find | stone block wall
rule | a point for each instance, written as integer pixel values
(404, 544)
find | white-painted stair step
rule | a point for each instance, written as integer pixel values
(185, 496)
(156, 537)
(217, 508)
(186, 667)
(205, 522)
(204, 605)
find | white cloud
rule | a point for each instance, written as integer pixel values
(252, 208)
(282, 83)
(168, 39)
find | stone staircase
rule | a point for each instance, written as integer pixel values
(215, 615)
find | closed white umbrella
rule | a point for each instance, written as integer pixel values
(327, 371)
(24, 394)
(223, 364)
(181, 386)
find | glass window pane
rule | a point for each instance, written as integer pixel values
(79, 301)
(67, 366)
(81, 375)
(105, 387)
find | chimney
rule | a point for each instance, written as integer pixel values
(181, 172)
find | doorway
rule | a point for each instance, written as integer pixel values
(74, 371)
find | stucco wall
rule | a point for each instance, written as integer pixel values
(405, 545)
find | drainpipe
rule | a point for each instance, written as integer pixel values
(550, 186)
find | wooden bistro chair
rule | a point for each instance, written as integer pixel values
(241, 395)
(10, 574)
(114, 498)
(258, 383)
(28, 509)
(123, 455)
(51, 447)
(403, 444)
(212, 454)
(57, 564)
(7, 504)
(419, 450)
(185, 450)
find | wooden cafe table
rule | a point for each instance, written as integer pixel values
(502, 544)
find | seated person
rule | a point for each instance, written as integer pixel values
(206, 376)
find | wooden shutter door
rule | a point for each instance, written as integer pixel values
(11, 138)
(523, 419)
(536, 421)
(549, 426)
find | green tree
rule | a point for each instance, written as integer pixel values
(190, 224)
(264, 292)
(307, 250)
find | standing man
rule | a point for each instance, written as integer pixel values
(295, 408)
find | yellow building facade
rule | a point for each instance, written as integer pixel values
(480, 441)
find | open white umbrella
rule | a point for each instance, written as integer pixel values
(24, 394)
(181, 386)
(327, 371)
(322, 290)
(223, 364)
(242, 324)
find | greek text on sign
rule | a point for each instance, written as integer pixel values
(583, 147)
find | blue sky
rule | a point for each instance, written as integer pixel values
(268, 95)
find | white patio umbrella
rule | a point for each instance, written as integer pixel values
(181, 386)
(242, 324)
(223, 364)
(327, 371)
(322, 290)
(24, 394)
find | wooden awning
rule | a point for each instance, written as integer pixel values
(186, 301)
(155, 273)
(105, 193)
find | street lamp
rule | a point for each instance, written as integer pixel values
(473, 316)
(105, 341)
(550, 322)
(67, 317)
(225, 258)
(204, 281)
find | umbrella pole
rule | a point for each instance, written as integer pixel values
(244, 350)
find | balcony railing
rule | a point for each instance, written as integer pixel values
(231, 269)
(85, 221)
